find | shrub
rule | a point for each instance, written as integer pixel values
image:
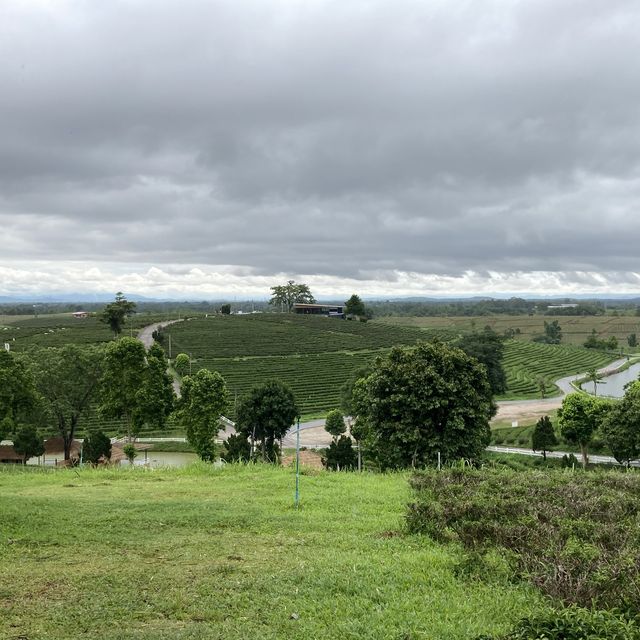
(340, 456)
(574, 535)
(573, 623)
(181, 364)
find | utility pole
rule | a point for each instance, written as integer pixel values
(297, 500)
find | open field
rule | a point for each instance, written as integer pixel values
(575, 329)
(204, 553)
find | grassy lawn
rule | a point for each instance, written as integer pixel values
(204, 553)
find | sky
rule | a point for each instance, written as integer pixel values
(215, 148)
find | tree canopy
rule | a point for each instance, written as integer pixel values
(288, 294)
(203, 399)
(578, 418)
(265, 415)
(355, 307)
(27, 443)
(67, 379)
(135, 385)
(17, 392)
(543, 436)
(334, 423)
(420, 401)
(115, 313)
(487, 347)
(621, 427)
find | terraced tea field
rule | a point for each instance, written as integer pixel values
(526, 362)
(315, 355)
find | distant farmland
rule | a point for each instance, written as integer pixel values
(575, 329)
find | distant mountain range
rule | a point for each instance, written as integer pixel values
(79, 297)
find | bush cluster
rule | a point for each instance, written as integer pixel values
(574, 535)
(573, 623)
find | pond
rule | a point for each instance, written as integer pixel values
(613, 386)
(152, 459)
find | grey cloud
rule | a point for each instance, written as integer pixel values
(342, 139)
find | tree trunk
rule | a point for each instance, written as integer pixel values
(544, 455)
(585, 456)
(359, 458)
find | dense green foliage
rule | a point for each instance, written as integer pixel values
(28, 443)
(579, 418)
(418, 402)
(265, 415)
(543, 436)
(116, 313)
(621, 426)
(334, 423)
(487, 347)
(340, 455)
(204, 553)
(95, 446)
(355, 307)
(594, 342)
(574, 535)
(181, 364)
(17, 392)
(203, 399)
(573, 623)
(552, 333)
(286, 295)
(135, 385)
(67, 380)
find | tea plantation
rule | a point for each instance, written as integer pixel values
(314, 355)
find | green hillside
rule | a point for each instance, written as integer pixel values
(204, 553)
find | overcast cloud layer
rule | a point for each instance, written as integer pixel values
(420, 147)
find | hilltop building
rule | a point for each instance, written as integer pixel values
(330, 310)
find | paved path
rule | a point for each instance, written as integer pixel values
(145, 335)
(529, 409)
(558, 454)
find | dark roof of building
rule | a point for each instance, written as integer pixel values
(7, 452)
(56, 445)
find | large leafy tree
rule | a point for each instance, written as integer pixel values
(67, 379)
(135, 385)
(115, 313)
(621, 427)
(203, 399)
(355, 307)
(488, 348)
(17, 393)
(265, 415)
(156, 397)
(578, 418)
(286, 295)
(543, 436)
(420, 401)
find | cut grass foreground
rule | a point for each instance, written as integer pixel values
(205, 553)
